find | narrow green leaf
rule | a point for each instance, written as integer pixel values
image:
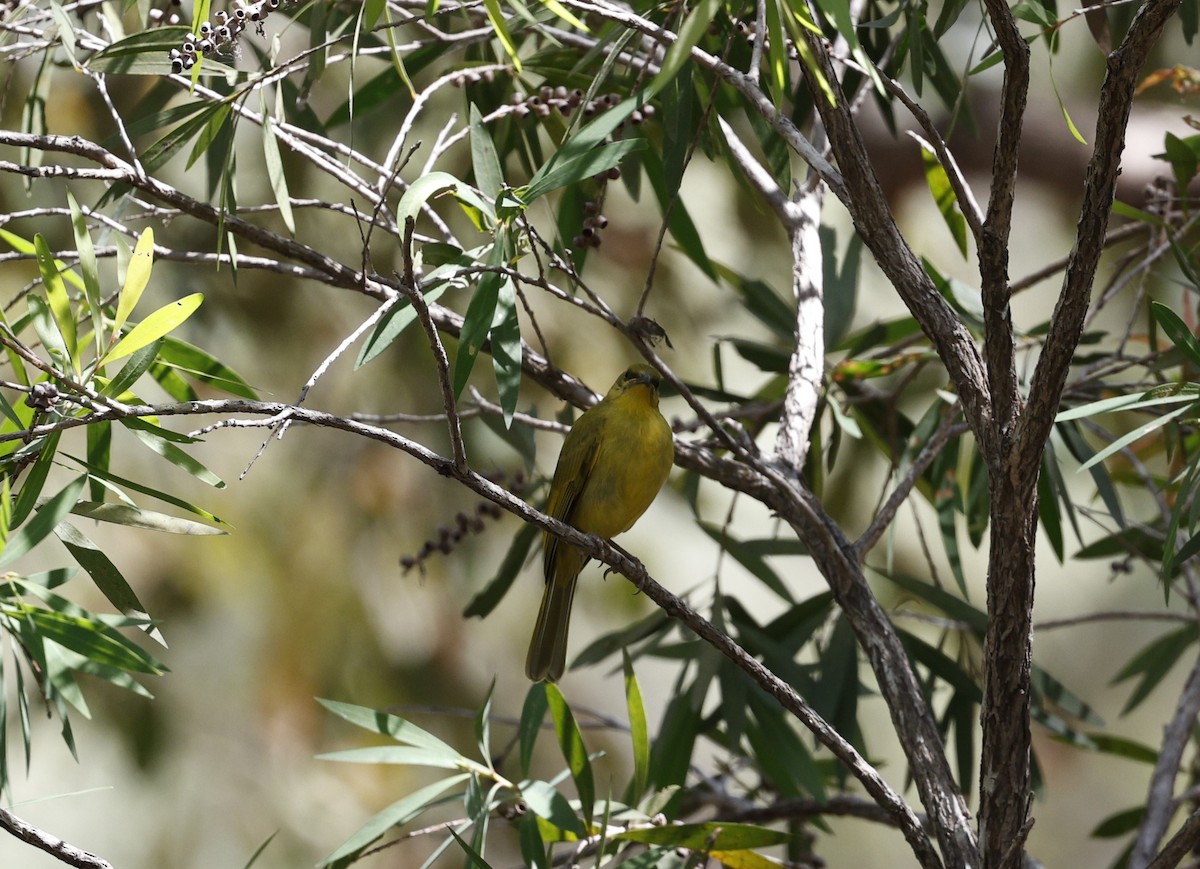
(139, 361)
(638, 732)
(676, 738)
(215, 132)
(679, 221)
(390, 325)
(938, 182)
(156, 325)
(786, 761)
(137, 276)
(204, 367)
(483, 725)
(420, 191)
(1140, 432)
(570, 740)
(103, 572)
(136, 517)
(1119, 746)
(533, 713)
(42, 523)
(545, 801)
(505, 337)
(533, 849)
(35, 479)
(477, 321)
(496, 16)
(474, 858)
(400, 812)
(159, 440)
(690, 33)
(1184, 157)
(258, 852)
(1153, 662)
(959, 610)
(510, 568)
(388, 725)
(1119, 824)
(750, 557)
(398, 755)
(1048, 690)
(571, 165)
(116, 481)
(88, 269)
(275, 173)
(1063, 106)
(609, 644)
(489, 176)
(91, 639)
(1179, 333)
(56, 296)
(66, 32)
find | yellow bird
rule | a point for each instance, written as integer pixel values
(613, 462)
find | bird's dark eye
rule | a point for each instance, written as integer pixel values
(628, 376)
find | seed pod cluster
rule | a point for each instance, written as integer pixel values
(450, 535)
(168, 16)
(220, 33)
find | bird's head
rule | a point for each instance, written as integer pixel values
(639, 379)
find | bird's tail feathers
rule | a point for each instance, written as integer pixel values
(547, 657)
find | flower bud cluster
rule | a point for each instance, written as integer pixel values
(220, 33)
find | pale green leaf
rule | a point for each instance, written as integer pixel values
(158, 324)
(137, 276)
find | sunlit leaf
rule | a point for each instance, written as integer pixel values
(156, 325)
(137, 276)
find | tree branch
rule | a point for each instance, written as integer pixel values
(1116, 99)
(873, 220)
(1160, 806)
(997, 226)
(52, 845)
(1180, 845)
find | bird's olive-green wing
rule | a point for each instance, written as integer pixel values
(575, 463)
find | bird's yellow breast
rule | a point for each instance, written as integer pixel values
(632, 461)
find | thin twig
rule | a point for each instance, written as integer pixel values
(408, 286)
(883, 518)
(1112, 616)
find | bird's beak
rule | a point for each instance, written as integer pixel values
(646, 379)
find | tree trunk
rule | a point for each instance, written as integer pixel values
(1005, 795)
